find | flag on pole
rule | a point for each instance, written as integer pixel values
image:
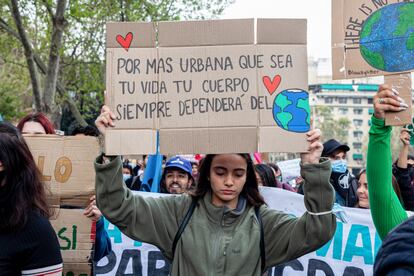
(153, 172)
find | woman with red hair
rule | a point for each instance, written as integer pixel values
(36, 123)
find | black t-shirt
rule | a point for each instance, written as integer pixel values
(32, 250)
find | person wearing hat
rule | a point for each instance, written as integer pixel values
(344, 183)
(177, 177)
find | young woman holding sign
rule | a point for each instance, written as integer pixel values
(229, 229)
(395, 257)
(379, 164)
(28, 243)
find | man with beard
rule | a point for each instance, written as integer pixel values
(177, 178)
(344, 183)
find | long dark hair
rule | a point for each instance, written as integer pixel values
(21, 189)
(266, 174)
(250, 190)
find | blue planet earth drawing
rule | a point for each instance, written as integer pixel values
(387, 38)
(291, 110)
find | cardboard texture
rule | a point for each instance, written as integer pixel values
(206, 33)
(76, 235)
(146, 38)
(401, 83)
(371, 38)
(281, 31)
(209, 88)
(66, 164)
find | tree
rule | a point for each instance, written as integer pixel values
(331, 128)
(14, 80)
(64, 44)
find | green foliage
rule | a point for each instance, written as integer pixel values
(14, 80)
(331, 128)
(11, 95)
(82, 53)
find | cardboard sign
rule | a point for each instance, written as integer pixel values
(372, 38)
(207, 87)
(289, 169)
(66, 164)
(76, 235)
(401, 83)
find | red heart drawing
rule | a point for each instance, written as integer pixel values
(125, 42)
(272, 85)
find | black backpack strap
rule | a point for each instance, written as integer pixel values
(183, 224)
(262, 244)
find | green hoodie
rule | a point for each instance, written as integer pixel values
(217, 240)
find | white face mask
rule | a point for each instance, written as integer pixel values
(339, 166)
(126, 176)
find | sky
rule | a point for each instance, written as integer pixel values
(317, 12)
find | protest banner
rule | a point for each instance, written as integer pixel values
(66, 164)
(290, 169)
(351, 251)
(374, 38)
(207, 86)
(76, 235)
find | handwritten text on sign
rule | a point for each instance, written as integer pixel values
(197, 81)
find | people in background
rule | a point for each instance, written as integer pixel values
(276, 171)
(363, 192)
(177, 176)
(403, 170)
(266, 177)
(85, 131)
(36, 123)
(344, 183)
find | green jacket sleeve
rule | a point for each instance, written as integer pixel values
(386, 210)
(287, 237)
(151, 220)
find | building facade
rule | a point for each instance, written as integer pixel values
(354, 103)
(350, 99)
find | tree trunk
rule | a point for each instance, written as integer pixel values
(43, 70)
(59, 23)
(28, 53)
(75, 112)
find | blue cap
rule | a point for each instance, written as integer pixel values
(179, 162)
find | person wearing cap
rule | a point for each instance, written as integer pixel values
(344, 183)
(177, 177)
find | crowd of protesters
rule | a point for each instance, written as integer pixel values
(223, 187)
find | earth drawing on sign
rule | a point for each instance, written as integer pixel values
(291, 110)
(387, 38)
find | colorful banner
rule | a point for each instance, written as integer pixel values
(351, 251)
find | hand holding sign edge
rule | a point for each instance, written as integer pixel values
(105, 119)
(315, 147)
